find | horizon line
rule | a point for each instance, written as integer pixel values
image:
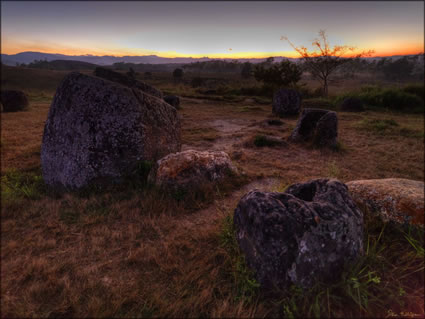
(192, 57)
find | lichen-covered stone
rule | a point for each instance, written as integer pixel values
(172, 100)
(306, 233)
(397, 199)
(126, 80)
(13, 101)
(286, 102)
(97, 130)
(351, 104)
(317, 125)
(191, 168)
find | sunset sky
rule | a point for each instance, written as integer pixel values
(214, 29)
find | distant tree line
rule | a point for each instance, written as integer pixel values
(269, 72)
(395, 69)
(145, 67)
(58, 65)
(215, 66)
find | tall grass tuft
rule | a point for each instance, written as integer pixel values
(16, 185)
(244, 283)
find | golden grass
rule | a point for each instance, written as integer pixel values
(143, 253)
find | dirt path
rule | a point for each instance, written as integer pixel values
(231, 131)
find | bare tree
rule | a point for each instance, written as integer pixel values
(323, 61)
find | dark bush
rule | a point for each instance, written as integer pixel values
(197, 82)
(391, 98)
(262, 140)
(415, 89)
(400, 101)
(14, 101)
(275, 122)
(283, 74)
(178, 73)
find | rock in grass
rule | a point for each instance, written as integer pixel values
(351, 104)
(13, 101)
(326, 131)
(286, 102)
(99, 130)
(306, 233)
(317, 125)
(396, 199)
(172, 100)
(191, 168)
(126, 80)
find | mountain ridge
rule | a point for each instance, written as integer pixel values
(30, 56)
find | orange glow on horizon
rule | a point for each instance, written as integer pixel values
(75, 51)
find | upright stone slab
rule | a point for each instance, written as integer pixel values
(100, 130)
(297, 237)
(286, 102)
(316, 125)
(326, 131)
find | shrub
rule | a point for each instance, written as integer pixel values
(197, 82)
(178, 73)
(399, 100)
(275, 122)
(415, 89)
(391, 98)
(283, 74)
(16, 184)
(262, 140)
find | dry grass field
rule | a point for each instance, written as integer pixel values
(137, 252)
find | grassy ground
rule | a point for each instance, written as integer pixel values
(135, 251)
